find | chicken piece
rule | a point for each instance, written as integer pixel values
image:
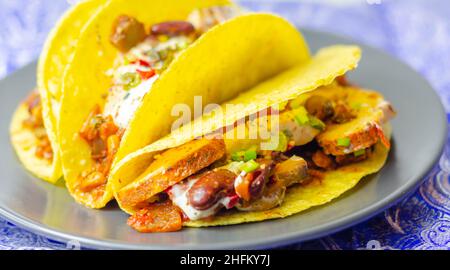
(370, 110)
(159, 217)
(291, 171)
(205, 18)
(171, 167)
(319, 106)
(240, 137)
(296, 132)
(351, 158)
(272, 197)
(322, 161)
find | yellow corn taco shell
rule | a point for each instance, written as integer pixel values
(322, 69)
(212, 67)
(54, 58)
(25, 143)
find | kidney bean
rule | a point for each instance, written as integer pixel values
(172, 28)
(211, 187)
(261, 177)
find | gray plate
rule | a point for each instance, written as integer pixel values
(419, 136)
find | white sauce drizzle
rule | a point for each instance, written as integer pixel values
(122, 105)
(178, 195)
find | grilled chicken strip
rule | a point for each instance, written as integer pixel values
(171, 167)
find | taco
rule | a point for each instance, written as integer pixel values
(33, 127)
(135, 59)
(328, 135)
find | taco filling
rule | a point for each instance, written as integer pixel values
(35, 123)
(321, 131)
(145, 52)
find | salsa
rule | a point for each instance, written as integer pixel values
(103, 136)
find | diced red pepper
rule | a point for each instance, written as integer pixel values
(145, 75)
(141, 62)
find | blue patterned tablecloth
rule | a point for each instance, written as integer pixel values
(416, 31)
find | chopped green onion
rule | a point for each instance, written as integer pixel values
(282, 143)
(301, 116)
(359, 152)
(249, 155)
(317, 123)
(238, 156)
(130, 80)
(245, 155)
(250, 166)
(343, 142)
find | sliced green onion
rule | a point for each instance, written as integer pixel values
(301, 116)
(317, 123)
(130, 80)
(249, 155)
(359, 152)
(250, 166)
(282, 143)
(238, 156)
(345, 142)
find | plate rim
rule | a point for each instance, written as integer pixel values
(285, 239)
